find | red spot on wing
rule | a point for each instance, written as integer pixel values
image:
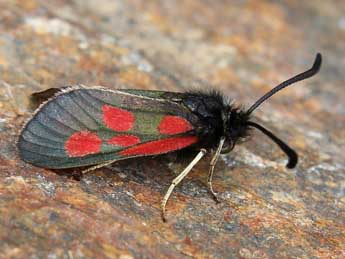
(124, 140)
(174, 125)
(83, 143)
(160, 146)
(117, 119)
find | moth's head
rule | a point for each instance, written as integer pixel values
(237, 123)
(236, 128)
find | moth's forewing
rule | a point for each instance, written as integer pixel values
(87, 126)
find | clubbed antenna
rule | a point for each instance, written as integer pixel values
(292, 155)
(309, 73)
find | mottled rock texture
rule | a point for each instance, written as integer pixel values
(242, 48)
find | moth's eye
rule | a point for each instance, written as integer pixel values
(227, 147)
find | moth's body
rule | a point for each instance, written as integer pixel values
(79, 109)
(82, 126)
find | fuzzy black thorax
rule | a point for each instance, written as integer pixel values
(219, 118)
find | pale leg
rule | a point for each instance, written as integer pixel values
(179, 178)
(98, 166)
(212, 165)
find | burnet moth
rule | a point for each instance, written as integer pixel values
(82, 126)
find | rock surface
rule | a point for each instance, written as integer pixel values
(242, 48)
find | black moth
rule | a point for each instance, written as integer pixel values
(95, 127)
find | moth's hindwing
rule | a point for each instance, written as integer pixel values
(88, 126)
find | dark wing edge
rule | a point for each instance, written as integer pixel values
(42, 137)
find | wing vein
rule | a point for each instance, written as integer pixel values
(80, 123)
(81, 106)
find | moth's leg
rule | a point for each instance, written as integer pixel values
(179, 178)
(212, 165)
(98, 166)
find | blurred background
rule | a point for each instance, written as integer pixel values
(242, 48)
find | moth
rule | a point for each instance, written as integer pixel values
(81, 126)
